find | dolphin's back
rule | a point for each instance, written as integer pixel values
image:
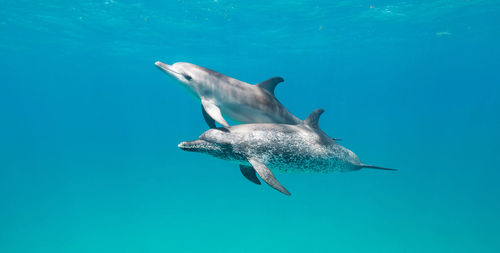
(248, 104)
(245, 102)
(223, 96)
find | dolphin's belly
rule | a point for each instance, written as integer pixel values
(246, 114)
(302, 166)
(255, 108)
(308, 164)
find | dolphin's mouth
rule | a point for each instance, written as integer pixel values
(170, 70)
(194, 146)
(165, 67)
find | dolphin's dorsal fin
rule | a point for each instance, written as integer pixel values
(313, 118)
(214, 112)
(270, 84)
(266, 175)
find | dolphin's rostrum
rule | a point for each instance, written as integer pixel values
(260, 148)
(222, 95)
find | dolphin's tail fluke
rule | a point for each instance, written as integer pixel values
(374, 167)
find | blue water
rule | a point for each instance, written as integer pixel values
(89, 126)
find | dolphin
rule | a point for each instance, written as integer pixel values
(222, 95)
(266, 147)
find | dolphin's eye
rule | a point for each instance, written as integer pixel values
(187, 77)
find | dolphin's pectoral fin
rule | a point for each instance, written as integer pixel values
(249, 173)
(214, 112)
(223, 129)
(268, 177)
(208, 119)
(270, 84)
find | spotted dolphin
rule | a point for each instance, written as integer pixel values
(263, 148)
(222, 95)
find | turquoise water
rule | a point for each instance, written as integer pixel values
(89, 126)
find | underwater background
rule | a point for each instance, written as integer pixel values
(89, 126)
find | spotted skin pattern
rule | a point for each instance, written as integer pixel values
(281, 147)
(277, 147)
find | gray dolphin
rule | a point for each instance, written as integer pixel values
(260, 148)
(223, 95)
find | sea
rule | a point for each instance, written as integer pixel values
(89, 127)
